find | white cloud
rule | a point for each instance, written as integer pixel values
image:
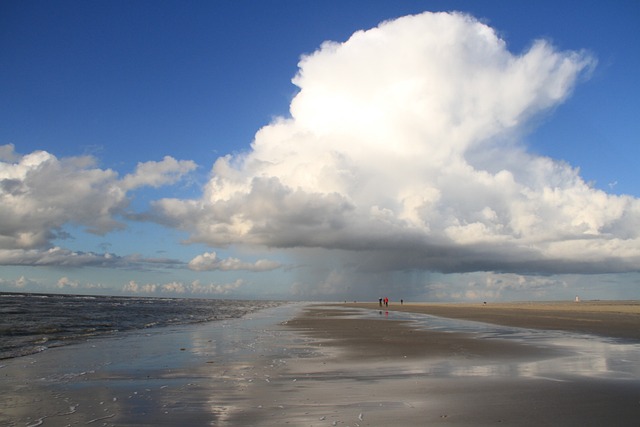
(402, 149)
(40, 193)
(209, 261)
(57, 256)
(134, 288)
(216, 289)
(194, 288)
(156, 174)
(8, 154)
(65, 282)
(22, 283)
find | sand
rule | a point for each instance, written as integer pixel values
(607, 318)
(324, 365)
(382, 372)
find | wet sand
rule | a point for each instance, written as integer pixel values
(607, 318)
(322, 365)
(381, 372)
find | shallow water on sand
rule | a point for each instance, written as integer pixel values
(177, 375)
(579, 354)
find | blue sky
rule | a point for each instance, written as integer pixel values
(348, 182)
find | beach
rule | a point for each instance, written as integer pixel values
(342, 365)
(608, 318)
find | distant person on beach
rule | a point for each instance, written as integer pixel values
(380, 301)
(386, 302)
(401, 301)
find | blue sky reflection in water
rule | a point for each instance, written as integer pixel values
(333, 150)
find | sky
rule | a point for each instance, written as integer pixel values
(334, 150)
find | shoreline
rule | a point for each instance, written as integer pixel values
(194, 374)
(324, 365)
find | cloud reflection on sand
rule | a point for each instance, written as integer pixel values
(578, 354)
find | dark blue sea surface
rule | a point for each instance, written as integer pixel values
(30, 323)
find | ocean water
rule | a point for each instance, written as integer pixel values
(31, 323)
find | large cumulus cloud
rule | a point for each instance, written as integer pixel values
(403, 149)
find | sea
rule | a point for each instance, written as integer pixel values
(31, 323)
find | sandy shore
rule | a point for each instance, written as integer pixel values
(380, 371)
(325, 365)
(608, 318)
